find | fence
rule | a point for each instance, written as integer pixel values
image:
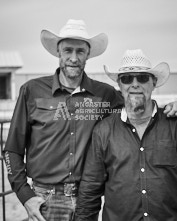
(4, 126)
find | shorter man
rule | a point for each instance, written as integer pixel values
(133, 156)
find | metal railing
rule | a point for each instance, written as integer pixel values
(3, 194)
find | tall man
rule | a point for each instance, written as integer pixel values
(53, 122)
(133, 157)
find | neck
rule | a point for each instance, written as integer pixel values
(70, 82)
(140, 121)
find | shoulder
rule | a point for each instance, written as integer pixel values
(38, 81)
(36, 87)
(107, 124)
(164, 121)
(106, 92)
(104, 130)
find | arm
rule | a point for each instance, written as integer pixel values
(92, 183)
(14, 152)
(18, 180)
(15, 148)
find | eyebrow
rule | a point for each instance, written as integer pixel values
(71, 48)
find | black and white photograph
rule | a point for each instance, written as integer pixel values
(88, 110)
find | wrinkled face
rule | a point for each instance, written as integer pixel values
(136, 89)
(72, 57)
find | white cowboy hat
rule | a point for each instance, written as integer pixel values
(74, 29)
(136, 61)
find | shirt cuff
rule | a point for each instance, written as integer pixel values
(25, 193)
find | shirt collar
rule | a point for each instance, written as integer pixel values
(124, 113)
(86, 84)
(56, 84)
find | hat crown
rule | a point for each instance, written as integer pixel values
(135, 58)
(74, 28)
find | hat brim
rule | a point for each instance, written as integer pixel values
(98, 43)
(160, 71)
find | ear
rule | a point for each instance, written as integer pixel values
(58, 53)
(118, 81)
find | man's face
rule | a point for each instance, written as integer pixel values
(73, 55)
(136, 90)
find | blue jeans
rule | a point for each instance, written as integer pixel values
(57, 206)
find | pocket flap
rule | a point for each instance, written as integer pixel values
(49, 104)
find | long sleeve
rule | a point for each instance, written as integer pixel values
(17, 176)
(92, 183)
(15, 148)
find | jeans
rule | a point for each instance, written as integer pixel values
(57, 206)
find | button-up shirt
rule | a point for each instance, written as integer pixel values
(138, 177)
(53, 128)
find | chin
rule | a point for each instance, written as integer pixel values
(73, 76)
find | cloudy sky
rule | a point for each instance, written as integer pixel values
(130, 24)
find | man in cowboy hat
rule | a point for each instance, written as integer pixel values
(133, 153)
(53, 122)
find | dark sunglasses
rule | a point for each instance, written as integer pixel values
(141, 78)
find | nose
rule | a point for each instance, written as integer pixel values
(135, 83)
(73, 57)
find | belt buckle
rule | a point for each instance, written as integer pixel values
(70, 189)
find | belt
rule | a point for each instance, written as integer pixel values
(68, 189)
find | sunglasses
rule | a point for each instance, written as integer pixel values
(141, 78)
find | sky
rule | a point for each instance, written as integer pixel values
(130, 24)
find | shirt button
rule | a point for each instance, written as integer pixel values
(71, 154)
(70, 173)
(72, 133)
(72, 114)
(144, 191)
(133, 130)
(83, 89)
(51, 107)
(142, 148)
(142, 170)
(145, 214)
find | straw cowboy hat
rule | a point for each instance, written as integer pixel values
(136, 61)
(74, 29)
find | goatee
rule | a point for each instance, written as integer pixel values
(136, 104)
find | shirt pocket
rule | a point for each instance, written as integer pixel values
(46, 104)
(45, 110)
(165, 153)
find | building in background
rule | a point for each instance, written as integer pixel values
(10, 62)
(11, 81)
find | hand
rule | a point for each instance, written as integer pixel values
(171, 109)
(32, 207)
